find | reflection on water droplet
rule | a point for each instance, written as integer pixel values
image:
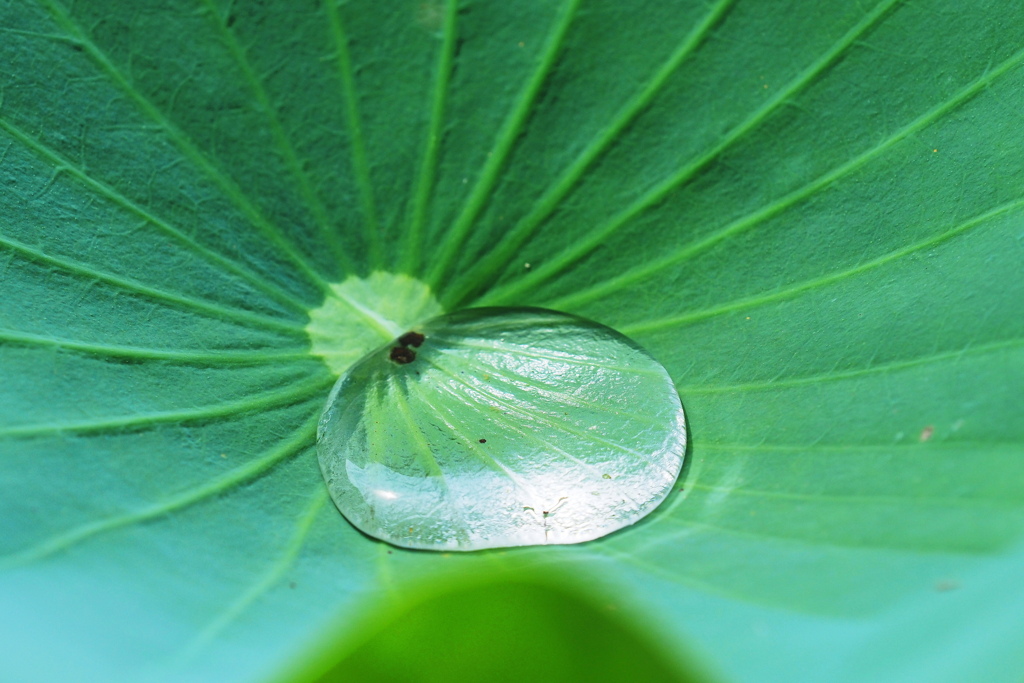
(585, 433)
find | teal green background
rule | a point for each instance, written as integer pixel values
(811, 213)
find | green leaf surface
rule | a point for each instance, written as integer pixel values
(812, 214)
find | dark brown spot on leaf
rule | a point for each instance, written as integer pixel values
(411, 339)
(402, 355)
(483, 440)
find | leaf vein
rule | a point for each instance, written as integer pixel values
(301, 438)
(360, 164)
(289, 396)
(128, 284)
(284, 144)
(766, 212)
(231, 190)
(860, 372)
(503, 145)
(185, 357)
(748, 303)
(64, 165)
(428, 166)
(486, 269)
(285, 561)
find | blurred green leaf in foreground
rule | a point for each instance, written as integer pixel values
(511, 630)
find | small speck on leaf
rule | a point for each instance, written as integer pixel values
(483, 440)
(927, 433)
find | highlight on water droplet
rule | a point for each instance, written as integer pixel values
(499, 427)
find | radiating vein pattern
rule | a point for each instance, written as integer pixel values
(215, 486)
(62, 165)
(478, 274)
(273, 576)
(819, 184)
(136, 96)
(811, 218)
(257, 402)
(657, 193)
(294, 164)
(489, 176)
(1015, 206)
(200, 357)
(410, 258)
(88, 273)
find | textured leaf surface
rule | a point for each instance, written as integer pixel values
(811, 213)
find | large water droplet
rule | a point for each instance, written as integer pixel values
(496, 427)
